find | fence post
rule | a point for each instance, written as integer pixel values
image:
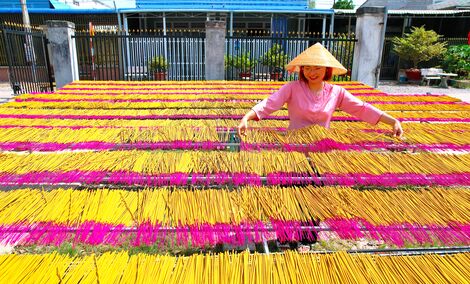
(215, 50)
(64, 55)
(370, 29)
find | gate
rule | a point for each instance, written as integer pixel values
(28, 59)
(390, 61)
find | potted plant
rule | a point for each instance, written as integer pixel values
(418, 46)
(158, 66)
(276, 60)
(228, 67)
(244, 63)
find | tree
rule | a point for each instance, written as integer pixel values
(343, 4)
(419, 45)
(457, 60)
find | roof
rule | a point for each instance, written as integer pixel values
(261, 6)
(450, 4)
(412, 12)
(399, 4)
(40, 4)
(285, 6)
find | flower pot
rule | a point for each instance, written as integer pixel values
(159, 76)
(464, 84)
(245, 75)
(413, 74)
(275, 76)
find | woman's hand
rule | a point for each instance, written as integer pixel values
(397, 130)
(242, 127)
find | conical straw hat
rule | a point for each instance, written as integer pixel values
(316, 55)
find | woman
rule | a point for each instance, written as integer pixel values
(311, 100)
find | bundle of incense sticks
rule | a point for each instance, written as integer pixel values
(289, 267)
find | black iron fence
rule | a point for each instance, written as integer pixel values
(3, 52)
(26, 54)
(180, 55)
(263, 57)
(391, 63)
(141, 56)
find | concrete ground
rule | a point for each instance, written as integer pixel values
(394, 87)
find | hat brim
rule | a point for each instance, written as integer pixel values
(336, 70)
(316, 55)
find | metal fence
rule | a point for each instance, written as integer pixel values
(264, 57)
(3, 51)
(120, 56)
(26, 54)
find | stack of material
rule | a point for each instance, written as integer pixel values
(125, 167)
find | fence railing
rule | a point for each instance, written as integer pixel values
(26, 55)
(264, 58)
(119, 56)
(3, 51)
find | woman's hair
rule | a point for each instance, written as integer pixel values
(328, 74)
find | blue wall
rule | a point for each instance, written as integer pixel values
(30, 3)
(224, 4)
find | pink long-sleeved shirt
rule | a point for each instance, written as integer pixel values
(306, 107)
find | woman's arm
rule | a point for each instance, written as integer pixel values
(367, 112)
(267, 106)
(243, 126)
(393, 122)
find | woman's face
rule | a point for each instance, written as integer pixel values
(314, 74)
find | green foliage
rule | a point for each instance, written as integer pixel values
(67, 248)
(457, 60)
(243, 62)
(228, 59)
(158, 64)
(78, 250)
(275, 58)
(419, 45)
(343, 4)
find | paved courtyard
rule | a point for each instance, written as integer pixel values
(396, 88)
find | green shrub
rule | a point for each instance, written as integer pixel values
(158, 64)
(275, 58)
(243, 62)
(419, 45)
(457, 60)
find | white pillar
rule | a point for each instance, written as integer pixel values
(370, 29)
(215, 50)
(64, 54)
